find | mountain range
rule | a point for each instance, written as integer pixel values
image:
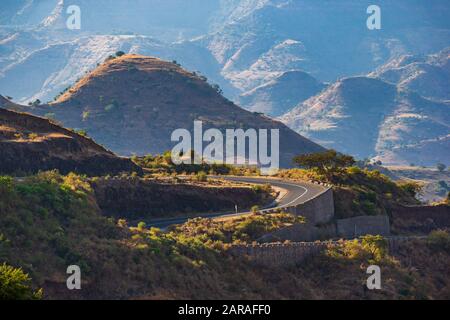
(368, 117)
(427, 75)
(133, 103)
(268, 56)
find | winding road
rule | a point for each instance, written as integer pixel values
(296, 193)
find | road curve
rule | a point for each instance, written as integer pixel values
(297, 193)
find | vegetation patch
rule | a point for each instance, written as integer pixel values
(162, 164)
(357, 191)
(49, 221)
(235, 231)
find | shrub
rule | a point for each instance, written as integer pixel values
(141, 226)
(443, 185)
(201, 176)
(6, 184)
(368, 207)
(110, 107)
(217, 88)
(376, 245)
(245, 229)
(36, 103)
(265, 188)
(439, 240)
(367, 248)
(81, 132)
(85, 115)
(412, 188)
(15, 285)
(32, 136)
(441, 167)
(354, 170)
(122, 223)
(255, 209)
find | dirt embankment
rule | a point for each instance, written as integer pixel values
(29, 144)
(420, 219)
(137, 198)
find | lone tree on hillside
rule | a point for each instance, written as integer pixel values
(120, 53)
(441, 167)
(35, 103)
(326, 163)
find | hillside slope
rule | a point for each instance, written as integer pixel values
(428, 75)
(133, 103)
(328, 39)
(50, 221)
(281, 94)
(30, 144)
(52, 67)
(368, 117)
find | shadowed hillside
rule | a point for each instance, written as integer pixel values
(29, 144)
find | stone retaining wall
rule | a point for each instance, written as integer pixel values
(359, 226)
(288, 254)
(343, 228)
(317, 210)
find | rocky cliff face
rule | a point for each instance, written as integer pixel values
(140, 199)
(30, 144)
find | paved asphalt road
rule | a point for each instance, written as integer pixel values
(297, 193)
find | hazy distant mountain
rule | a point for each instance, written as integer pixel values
(268, 55)
(328, 39)
(427, 75)
(132, 104)
(169, 19)
(243, 44)
(281, 94)
(25, 12)
(368, 117)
